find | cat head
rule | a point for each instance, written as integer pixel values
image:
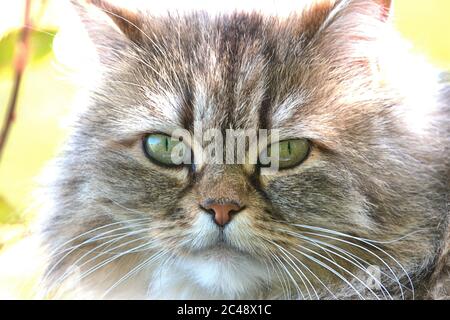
(366, 188)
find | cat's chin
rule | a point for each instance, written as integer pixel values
(219, 272)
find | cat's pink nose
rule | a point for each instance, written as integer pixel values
(222, 212)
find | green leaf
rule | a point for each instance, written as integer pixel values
(7, 213)
(40, 46)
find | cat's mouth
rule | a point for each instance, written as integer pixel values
(221, 251)
(220, 247)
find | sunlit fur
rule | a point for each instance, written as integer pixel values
(373, 192)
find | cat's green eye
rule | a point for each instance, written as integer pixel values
(291, 153)
(163, 150)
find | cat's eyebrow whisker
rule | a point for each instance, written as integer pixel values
(126, 54)
(137, 85)
(384, 289)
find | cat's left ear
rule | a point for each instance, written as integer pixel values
(104, 21)
(346, 29)
(129, 22)
(347, 10)
(386, 8)
(111, 28)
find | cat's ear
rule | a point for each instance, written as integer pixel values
(386, 8)
(348, 9)
(350, 28)
(109, 26)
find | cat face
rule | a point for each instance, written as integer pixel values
(368, 193)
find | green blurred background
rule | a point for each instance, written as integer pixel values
(46, 95)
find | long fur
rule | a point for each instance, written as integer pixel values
(374, 191)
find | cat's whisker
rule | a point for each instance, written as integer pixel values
(89, 241)
(332, 270)
(135, 270)
(365, 241)
(296, 268)
(108, 243)
(356, 260)
(357, 265)
(96, 229)
(101, 236)
(270, 259)
(268, 270)
(376, 256)
(71, 249)
(345, 270)
(275, 262)
(317, 278)
(275, 270)
(109, 260)
(284, 286)
(289, 275)
(310, 271)
(104, 252)
(354, 237)
(282, 267)
(170, 257)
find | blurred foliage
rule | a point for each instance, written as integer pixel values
(7, 214)
(40, 46)
(45, 99)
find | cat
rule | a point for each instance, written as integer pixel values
(359, 209)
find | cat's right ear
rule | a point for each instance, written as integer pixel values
(110, 28)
